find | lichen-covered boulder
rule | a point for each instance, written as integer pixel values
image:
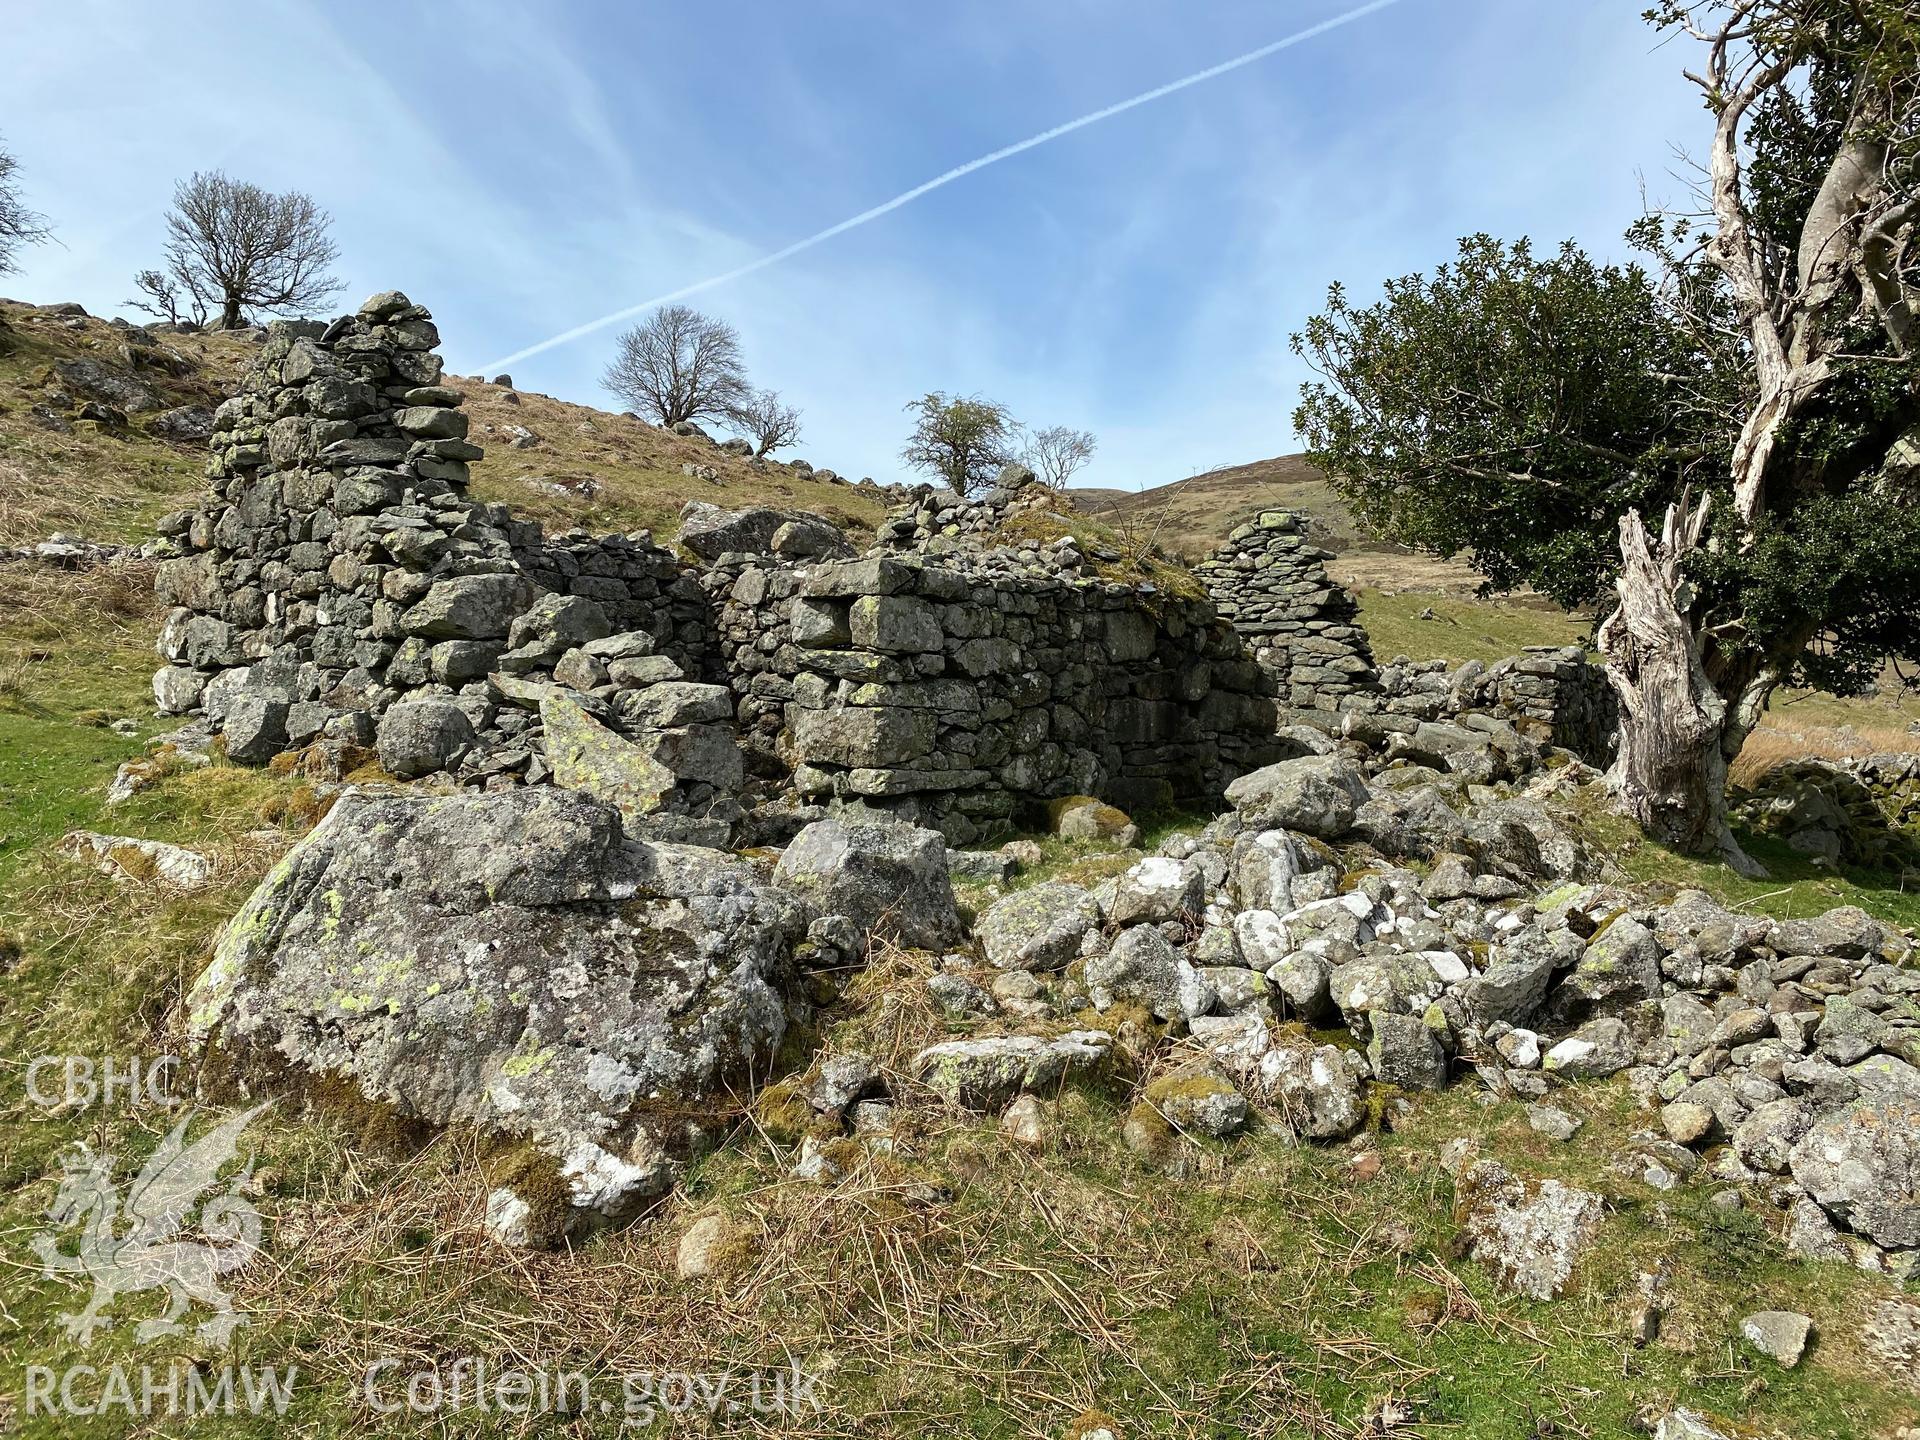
(422, 736)
(1199, 1099)
(588, 757)
(709, 532)
(1037, 929)
(1596, 1050)
(1317, 795)
(1144, 968)
(890, 880)
(514, 963)
(1314, 1090)
(1621, 965)
(1862, 1163)
(1157, 889)
(986, 1073)
(1529, 1234)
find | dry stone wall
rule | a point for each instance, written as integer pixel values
(337, 583)
(962, 695)
(1301, 625)
(1549, 693)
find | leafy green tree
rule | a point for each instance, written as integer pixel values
(962, 439)
(1762, 391)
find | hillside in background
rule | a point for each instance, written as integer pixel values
(564, 464)
(1192, 516)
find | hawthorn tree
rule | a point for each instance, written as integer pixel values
(765, 419)
(236, 250)
(1760, 394)
(678, 364)
(19, 226)
(1056, 453)
(962, 439)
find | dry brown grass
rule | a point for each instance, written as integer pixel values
(1805, 725)
(93, 483)
(619, 473)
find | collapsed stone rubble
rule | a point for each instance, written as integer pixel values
(1395, 895)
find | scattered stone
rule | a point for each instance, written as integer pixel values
(1778, 1334)
(131, 861)
(1529, 1234)
(986, 1074)
(1141, 966)
(1316, 795)
(1040, 928)
(1552, 1122)
(712, 1245)
(1025, 1122)
(1199, 1100)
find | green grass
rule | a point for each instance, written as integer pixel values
(75, 652)
(1462, 629)
(1794, 888)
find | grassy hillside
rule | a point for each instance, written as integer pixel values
(99, 481)
(574, 466)
(968, 1285)
(1190, 517)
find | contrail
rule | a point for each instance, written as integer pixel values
(907, 197)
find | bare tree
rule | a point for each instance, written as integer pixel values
(236, 249)
(678, 364)
(962, 439)
(1055, 453)
(766, 421)
(164, 298)
(19, 226)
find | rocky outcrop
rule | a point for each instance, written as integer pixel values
(516, 964)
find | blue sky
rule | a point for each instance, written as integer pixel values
(522, 169)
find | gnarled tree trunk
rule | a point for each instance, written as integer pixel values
(1678, 730)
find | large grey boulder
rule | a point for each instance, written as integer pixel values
(588, 757)
(891, 880)
(1620, 965)
(1514, 982)
(1404, 1051)
(1862, 1164)
(419, 737)
(1037, 929)
(256, 729)
(1317, 795)
(709, 532)
(1596, 1050)
(468, 607)
(1157, 889)
(513, 963)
